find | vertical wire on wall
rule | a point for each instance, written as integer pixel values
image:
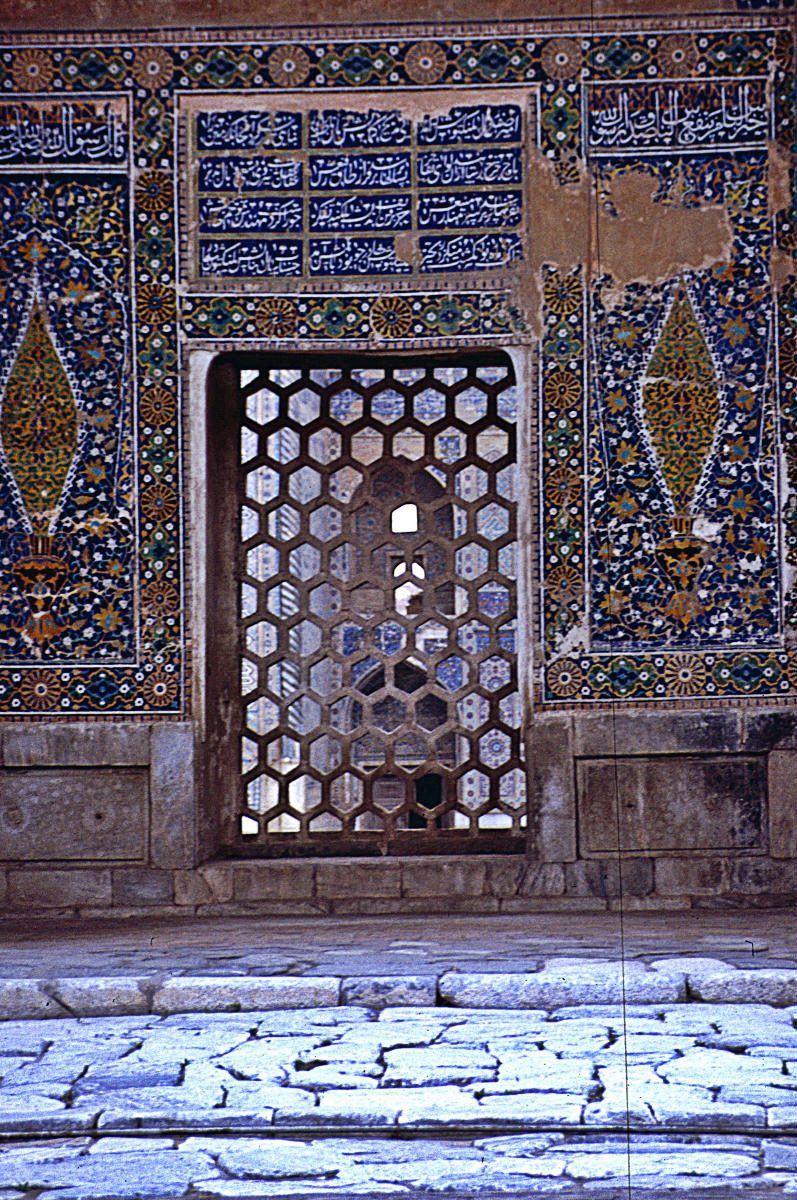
(593, 377)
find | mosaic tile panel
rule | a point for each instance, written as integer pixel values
(92, 600)
(684, 380)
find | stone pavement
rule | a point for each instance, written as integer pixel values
(219, 1061)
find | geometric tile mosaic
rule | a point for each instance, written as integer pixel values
(663, 420)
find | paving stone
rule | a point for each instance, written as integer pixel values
(389, 990)
(278, 1159)
(34, 1118)
(91, 996)
(48, 1151)
(530, 1108)
(247, 993)
(718, 1068)
(768, 1095)
(128, 1073)
(781, 1155)
(24, 1038)
(542, 1071)
(288, 1103)
(326, 1078)
(122, 1145)
(519, 1143)
(255, 1189)
(360, 1108)
(437, 1065)
(268, 1060)
(665, 1166)
(127, 1175)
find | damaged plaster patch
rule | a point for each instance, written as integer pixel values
(632, 236)
(780, 165)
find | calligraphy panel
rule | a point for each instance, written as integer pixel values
(292, 191)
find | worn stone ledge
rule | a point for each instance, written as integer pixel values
(559, 983)
(471, 884)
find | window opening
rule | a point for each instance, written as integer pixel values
(377, 606)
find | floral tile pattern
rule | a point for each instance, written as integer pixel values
(645, 593)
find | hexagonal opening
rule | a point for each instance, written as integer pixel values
(304, 485)
(367, 446)
(492, 443)
(325, 523)
(304, 406)
(324, 446)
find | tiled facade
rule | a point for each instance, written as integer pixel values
(142, 182)
(610, 203)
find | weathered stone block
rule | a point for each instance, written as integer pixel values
(554, 797)
(75, 744)
(246, 993)
(273, 880)
(389, 991)
(96, 997)
(58, 888)
(607, 877)
(433, 877)
(692, 876)
(763, 875)
(203, 885)
(662, 733)
(74, 813)
(669, 803)
(782, 794)
(539, 904)
(516, 876)
(354, 877)
(172, 795)
(140, 885)
(23, 999)
(770, 730)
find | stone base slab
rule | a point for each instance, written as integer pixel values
(557, 983)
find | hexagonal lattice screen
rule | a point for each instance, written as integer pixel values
(377, 601)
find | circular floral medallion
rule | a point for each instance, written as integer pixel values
(159, 689)
(425, 62)
(391, 317)
(160, 598)
(684, 675)
(564, 584)
(288, 66)
(152, 67)
(155, 303)
(158, 503)
(32, 70)
(276, 317)
(153, 191)
(562, 389)
(565, 677)
(562, 486)
(678, 55)
(157, 407)
(561, 58)
(40, 690)
(562, 293)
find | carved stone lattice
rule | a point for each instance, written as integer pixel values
(378, 602)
